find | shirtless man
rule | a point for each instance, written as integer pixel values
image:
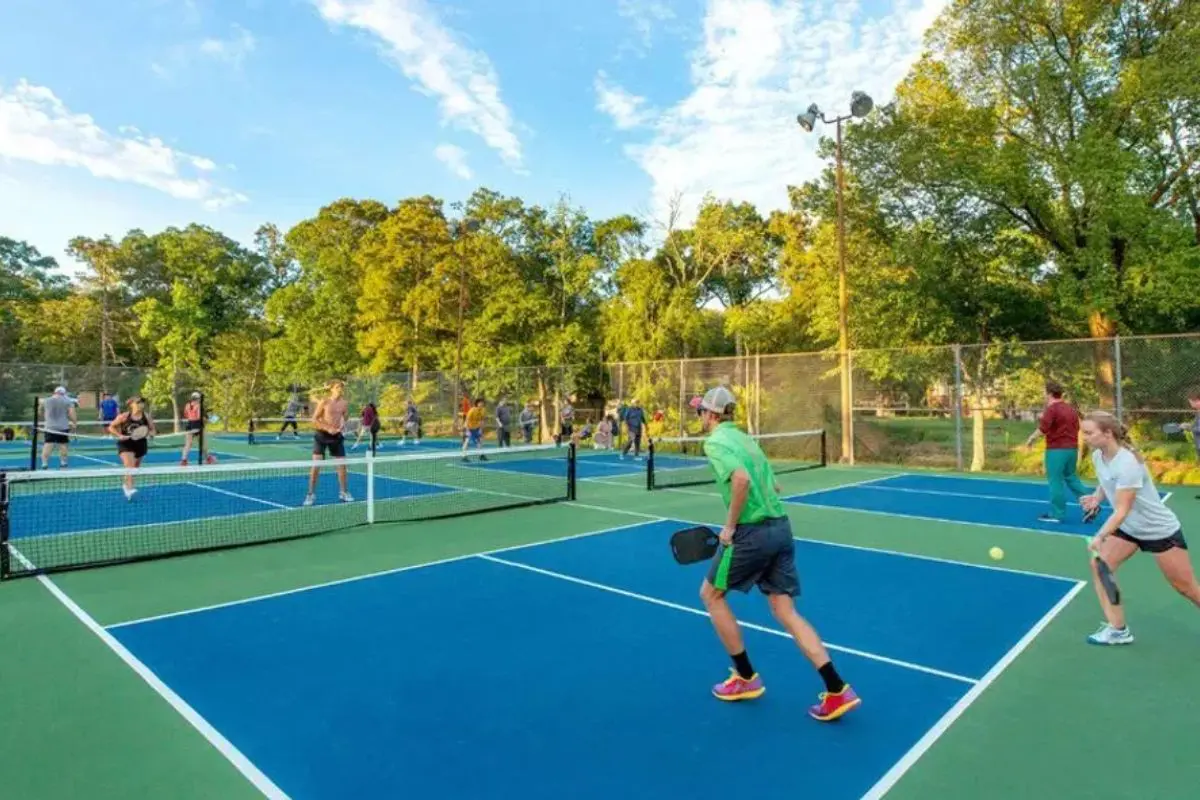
(329, 420)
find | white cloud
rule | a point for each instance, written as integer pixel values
(36, 126)
(645, 15)
(232, 51)
(455, 159)
(429, 54)
(760, 64)
(625, 108)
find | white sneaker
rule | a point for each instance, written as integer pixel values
(309, 499)
(129, 493)
(345, 497)
(1108, 635)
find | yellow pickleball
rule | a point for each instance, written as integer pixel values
(996, 553)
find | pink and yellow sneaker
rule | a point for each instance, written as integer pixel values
(833, 705)
(735, 687)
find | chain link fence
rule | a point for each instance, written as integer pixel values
(964, 407)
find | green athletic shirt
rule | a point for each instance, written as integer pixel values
(729, 449)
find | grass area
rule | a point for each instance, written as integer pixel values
(933, 442)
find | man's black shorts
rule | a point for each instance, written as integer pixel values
(333, 443)
(763, 554)
(51, 437)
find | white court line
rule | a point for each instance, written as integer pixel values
(843, 545)
(211, 734)
(895, 662)
(943, 520)
(906, 762)
(368, 576)
(941, 493)
(235, 494)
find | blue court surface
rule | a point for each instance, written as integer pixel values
(17, 458)
(96, 510)
(974, 501)
(582, 669)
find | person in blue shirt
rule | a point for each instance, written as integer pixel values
(109, 407)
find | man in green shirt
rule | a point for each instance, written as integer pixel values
(757, 548)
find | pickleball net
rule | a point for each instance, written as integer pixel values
(59, 520)
(680, 460)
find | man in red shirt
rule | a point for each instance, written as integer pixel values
(1060, 425)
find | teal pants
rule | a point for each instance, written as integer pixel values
(1060, 472)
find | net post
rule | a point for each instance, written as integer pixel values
(571, 476)
(33, 436)
(203, 431)
(650, 464)
(5, 566)
(824, 450)
(371, 486)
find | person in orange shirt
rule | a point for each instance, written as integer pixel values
(192, 425)
(1059, 423)
(474, 424)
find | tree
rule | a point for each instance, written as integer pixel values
(317, 312)
(26, 277)
(1078, 123)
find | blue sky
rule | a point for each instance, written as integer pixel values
(149, 113)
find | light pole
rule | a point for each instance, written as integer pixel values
(860, 105)
(458, 231)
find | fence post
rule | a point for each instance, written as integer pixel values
(682, 394)
(849, 399)
(1120, 401)
(758, 392)
(956, 398)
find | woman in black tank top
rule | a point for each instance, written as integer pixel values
(132, 451)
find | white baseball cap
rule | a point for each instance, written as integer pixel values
(716, 400)
(60, 390)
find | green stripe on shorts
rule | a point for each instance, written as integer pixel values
(723, 569)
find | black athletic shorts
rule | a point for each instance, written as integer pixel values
(763, 554)
(333, 443)
(55, 438)
(1155, 545)
(193, 425)
(136, 446)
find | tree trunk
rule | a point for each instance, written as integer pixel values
(1103, 328)
(978, 435)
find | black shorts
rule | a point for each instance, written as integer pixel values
(332, 443)
(193, 425)
(55, 438)
(1155, 545)
(763, 554)
(136, 446)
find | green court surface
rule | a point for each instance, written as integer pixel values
(1063, 719)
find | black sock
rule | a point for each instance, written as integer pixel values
(833, 681)
(741, 662)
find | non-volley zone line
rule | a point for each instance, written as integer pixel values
(980, 502)
(630, 563)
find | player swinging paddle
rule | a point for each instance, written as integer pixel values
(756, 548)
(1140, 521)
